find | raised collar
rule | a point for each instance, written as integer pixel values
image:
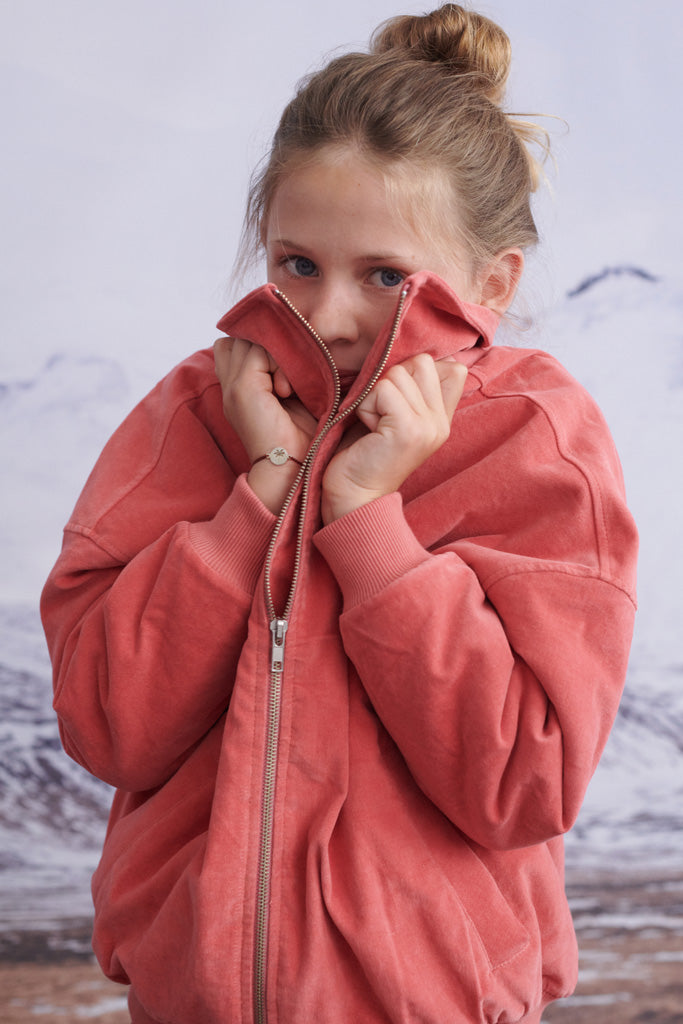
(433, 320)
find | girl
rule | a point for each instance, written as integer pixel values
(346, 619)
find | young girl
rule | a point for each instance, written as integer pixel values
(346, 619)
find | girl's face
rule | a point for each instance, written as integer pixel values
(337, 249)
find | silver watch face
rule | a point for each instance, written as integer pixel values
(278, 456)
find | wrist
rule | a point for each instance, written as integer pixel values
(271, 482)
(334, 506)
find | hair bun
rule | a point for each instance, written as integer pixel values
(466, 43)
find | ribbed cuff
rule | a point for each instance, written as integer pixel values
(369, 548)
(234, 543)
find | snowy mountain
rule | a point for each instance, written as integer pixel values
(52, 814)
(52, 426)
(619, 332)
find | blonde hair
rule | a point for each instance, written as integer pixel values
(426, 97)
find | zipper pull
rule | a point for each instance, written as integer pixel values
(278, 628)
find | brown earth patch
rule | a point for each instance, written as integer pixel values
(67, 993)
(631, 963)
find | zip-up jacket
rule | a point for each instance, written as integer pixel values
(345, 755)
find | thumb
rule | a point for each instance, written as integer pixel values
(281, 386)
(222, 350)
(452, 378)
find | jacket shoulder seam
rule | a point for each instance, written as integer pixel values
(120, 557)
(145, 471)
(561, 570)
(569, 456)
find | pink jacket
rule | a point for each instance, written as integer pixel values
(356, 820)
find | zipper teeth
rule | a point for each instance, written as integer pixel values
(379, 370)
(265, 852)
(312, 331)
(270, 604)
(275, 689)
(305, 470)
(334, 419)
(302, 478)
(304, 473)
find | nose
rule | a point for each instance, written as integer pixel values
(331, 311)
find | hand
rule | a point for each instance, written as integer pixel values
(407, 417)
(259, 403)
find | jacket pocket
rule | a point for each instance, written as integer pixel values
(502, 935)
(424, 918)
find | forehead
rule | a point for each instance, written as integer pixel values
(339, 184)
(329, 182)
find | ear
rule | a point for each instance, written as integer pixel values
(499, 279)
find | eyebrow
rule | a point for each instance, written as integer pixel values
(286, 243)
(379, 257)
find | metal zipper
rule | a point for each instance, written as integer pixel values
(278, 628)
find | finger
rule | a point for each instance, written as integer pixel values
(417, 381)
(452, 379)
(368, 416)
(281, 385)
(257, 360)
(441, 382)
(222, 349)
(230, 355)
(388, 403)
(424, 372)
(254, 367)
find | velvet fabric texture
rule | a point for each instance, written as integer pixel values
(454, 661)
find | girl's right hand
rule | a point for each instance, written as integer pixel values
(259, 403)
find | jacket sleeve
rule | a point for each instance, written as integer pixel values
(145, 611)
(496, 661)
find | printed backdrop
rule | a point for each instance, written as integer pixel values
(129, 132)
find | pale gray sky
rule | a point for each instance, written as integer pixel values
(129, 129)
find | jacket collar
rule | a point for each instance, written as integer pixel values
(433, 320)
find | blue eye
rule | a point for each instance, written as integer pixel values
(388, 277)
(302, 266)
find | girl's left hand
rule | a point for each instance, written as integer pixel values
(407, 417)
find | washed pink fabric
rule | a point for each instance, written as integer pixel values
(454, 661)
